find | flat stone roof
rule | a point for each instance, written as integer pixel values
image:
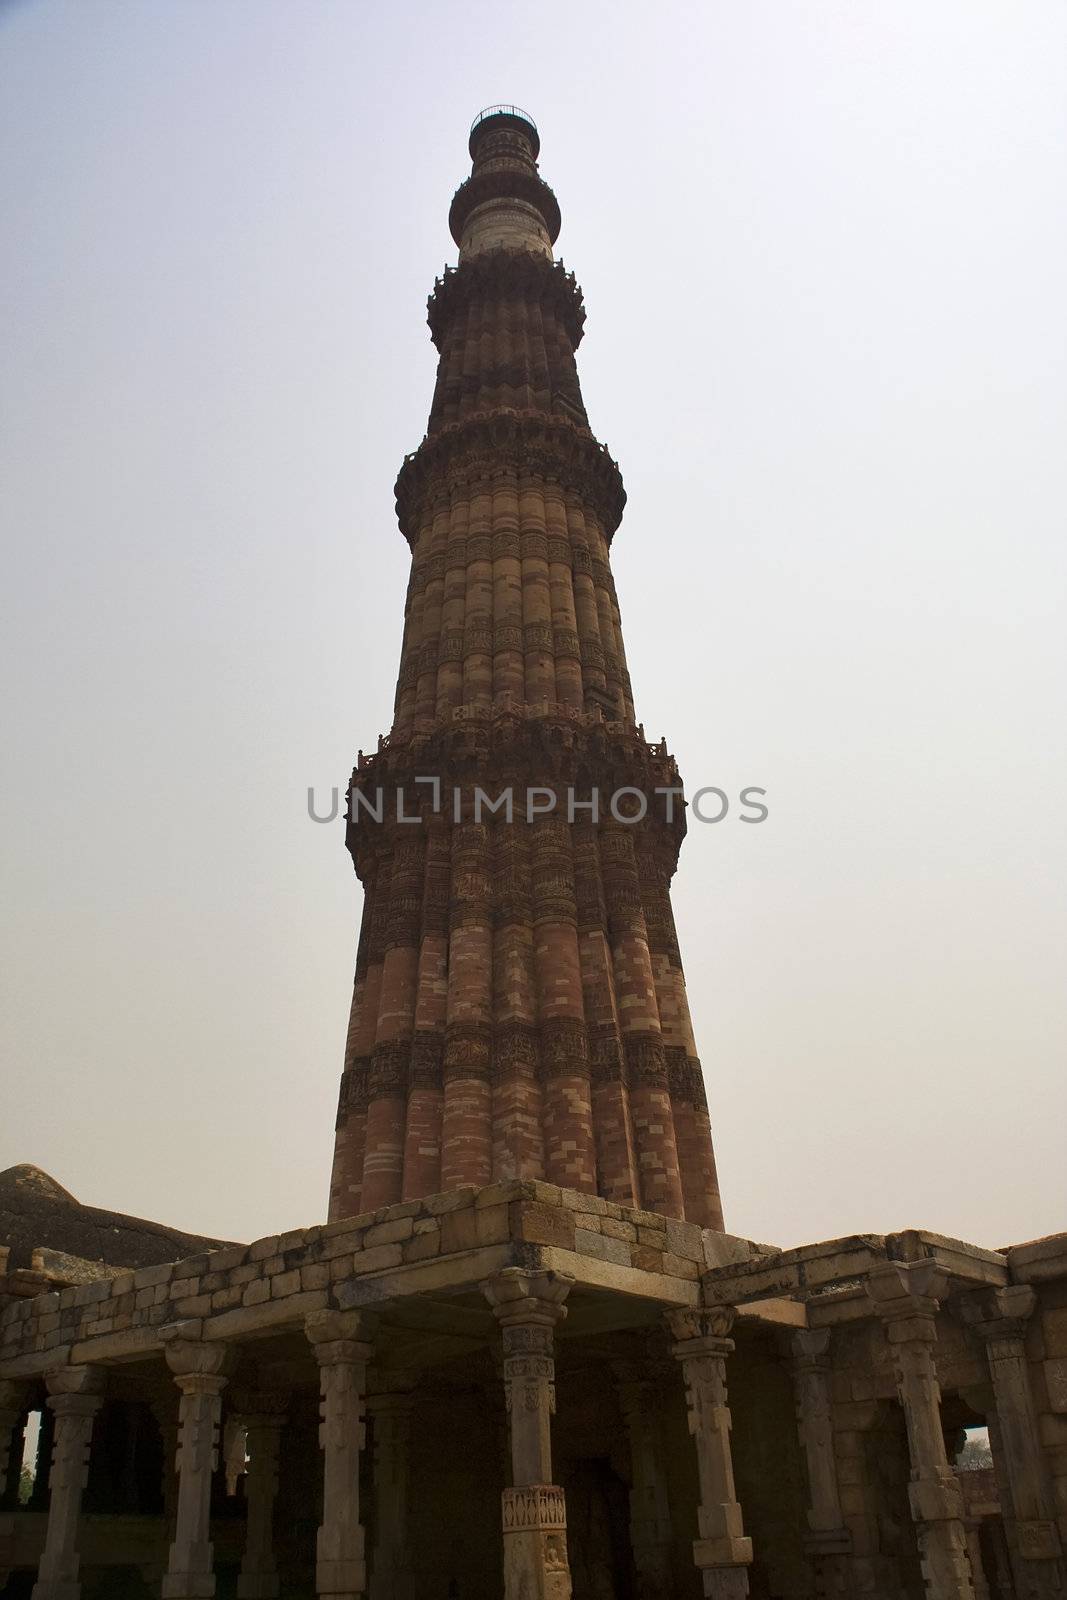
(419, 1264)
(437, 1249)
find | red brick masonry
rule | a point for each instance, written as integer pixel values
(519, 1008)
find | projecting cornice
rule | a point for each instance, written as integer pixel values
(502, 442)
(499, 274)
(508, 748)
(504, 181)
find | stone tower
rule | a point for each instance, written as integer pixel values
(519, 1006)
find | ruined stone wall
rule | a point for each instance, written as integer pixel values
(871, 1456)
(1047, 1351)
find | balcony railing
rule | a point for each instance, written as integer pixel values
(504, 111)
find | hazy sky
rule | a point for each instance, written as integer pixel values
(824, 251)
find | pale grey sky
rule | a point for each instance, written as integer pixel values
(824, 252)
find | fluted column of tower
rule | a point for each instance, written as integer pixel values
(519, 1006)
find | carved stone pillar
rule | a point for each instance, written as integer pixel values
(342, 1341)
(262, 1415)
(722, 1552)
(74, 1397)
(1003, 1572)
(827, 1541)
(650, 1511)
(14, 1405)
(199, 1370)
(974, 1554)
(499, 1409)
(391, 1410)
(998, 1317)
(164, 1408)
(905, 1296)
(528, 1305)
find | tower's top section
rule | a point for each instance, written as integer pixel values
(499, 115)
(505, 202)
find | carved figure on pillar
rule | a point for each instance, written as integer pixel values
(723, 1552)
(343, 1345)
(200, 1371)
(906, 1295)
(999, 1319)
(827, 1542)
(528, 1306)
(74, 1398)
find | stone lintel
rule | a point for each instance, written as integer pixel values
(35, 1363)
(838, 1306)
(966, 1263)
(251, 1322)
(1040, 1260)
(1000, 1313)
(776, 1312)
(116, 1348)
(794, 1273)
(464, 1270)
(630, 1281)
(831, 1277)
(468, 1268)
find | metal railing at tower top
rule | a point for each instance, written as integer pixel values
(503, 111)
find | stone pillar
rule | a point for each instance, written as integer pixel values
(999, 1317)
(722, 1552)
(974, 1554)
(981, 1401)
(905, 1296)
(199, 1370)
(14, 1406)
(14, 1399)
(497, 1404)
(528, 1305)
(74, 1398)
(46, 1435)
(342, 1341)
(1003, 1576)
(262, 1415)
(650, 1510)
(392, 1577)
(827, 1541)
(165, 1410)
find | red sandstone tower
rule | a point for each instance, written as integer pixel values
(519, 1006)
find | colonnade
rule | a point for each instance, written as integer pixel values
(528, 1307)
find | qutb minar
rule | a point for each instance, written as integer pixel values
(520, 1006)
(522, 1358)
